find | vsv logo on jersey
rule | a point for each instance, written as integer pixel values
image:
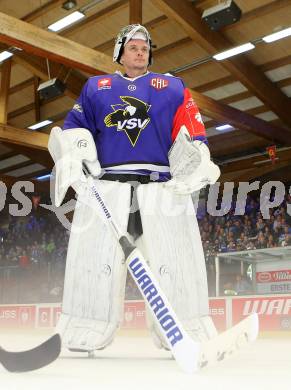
(159, 83)
(131, 117)
(104, 83)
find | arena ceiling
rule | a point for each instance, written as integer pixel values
(251, 91)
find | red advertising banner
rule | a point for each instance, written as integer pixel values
(134, 315)
(47, 316)
(44, 317)
(217, 309)
(274, 276)
(274, 312)
(17, 316)
(56, 314)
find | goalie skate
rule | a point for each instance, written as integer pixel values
(227, 343)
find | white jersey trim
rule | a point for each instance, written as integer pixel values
(135, 167)
(131, 78)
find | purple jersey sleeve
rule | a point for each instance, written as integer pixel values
(81, 114)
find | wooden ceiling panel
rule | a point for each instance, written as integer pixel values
(173, 59)
(150, 11)
(258, 26)
(19, 74)
(55, 106)
(267, 116)
(247, 7)
(287, 91)
(22, 121)
(201, 75)
(20, 8)
(279, 74)
(95, 15)
(54, 13)
(169, 31)
(228, 90)
(247, 104)
(16, 100)
(100, 28)
(270, 51)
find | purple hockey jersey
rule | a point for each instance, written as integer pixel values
(134, 121)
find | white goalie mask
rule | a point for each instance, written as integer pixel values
(133, 31)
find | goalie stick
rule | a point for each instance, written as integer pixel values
(230, 341)
(32, 359)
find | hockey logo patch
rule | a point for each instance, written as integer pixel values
(78, 107)
(82, 143)
(131, 117)
(159, 83)
(104, 83)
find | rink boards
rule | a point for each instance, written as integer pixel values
(274, 313)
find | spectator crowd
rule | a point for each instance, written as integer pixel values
(232, 232)
(33, 248)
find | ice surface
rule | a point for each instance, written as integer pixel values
(132, 362)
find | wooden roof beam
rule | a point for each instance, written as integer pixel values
(49, 45)
(254, 173)
(256, 161)
(183, 12)
(38, 156)
(235, 142)
(33, 139)
(37, 102)
(241, 120)
(135, 11)
(4, 91)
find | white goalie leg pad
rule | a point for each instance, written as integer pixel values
(172, 244)
(95, 275)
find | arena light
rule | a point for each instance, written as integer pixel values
(234, 51)
(4, 55)
(224, 127)
(40, 124)
(43, 177)
(66, 21)
(277, 35)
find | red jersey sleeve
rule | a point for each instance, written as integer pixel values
(189, 116)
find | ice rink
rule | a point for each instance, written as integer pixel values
(132, 362)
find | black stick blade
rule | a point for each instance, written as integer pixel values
(32, 359)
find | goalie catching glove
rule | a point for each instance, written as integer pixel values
(190, 165)
(69, 149)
